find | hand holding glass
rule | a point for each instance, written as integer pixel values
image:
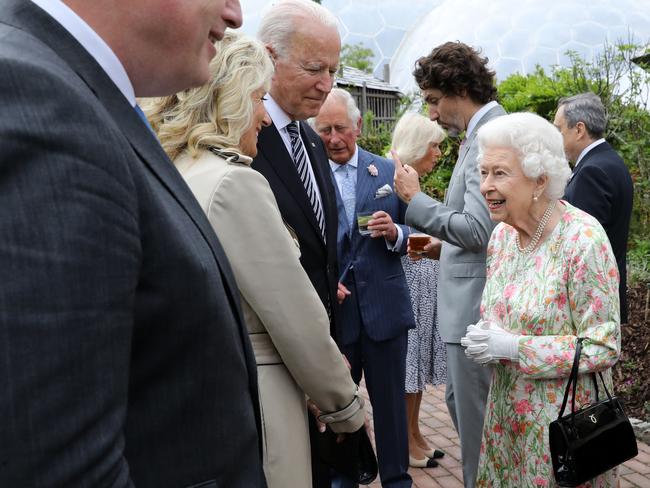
(363, 218)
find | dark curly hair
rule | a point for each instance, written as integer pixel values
(455, 68)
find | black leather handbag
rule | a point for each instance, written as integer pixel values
(591, 440)
(353, 458)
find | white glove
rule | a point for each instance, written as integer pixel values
(486, 342)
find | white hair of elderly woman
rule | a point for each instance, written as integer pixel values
(412, 135)
(536, 141)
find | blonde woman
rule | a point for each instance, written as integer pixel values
(416, 141)
(211, 134)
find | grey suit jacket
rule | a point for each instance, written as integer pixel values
(124, 358)
(463, 223)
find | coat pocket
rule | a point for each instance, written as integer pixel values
(468, 270)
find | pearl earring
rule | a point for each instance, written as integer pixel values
(534, 197)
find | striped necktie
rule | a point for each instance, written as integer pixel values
(300, 160)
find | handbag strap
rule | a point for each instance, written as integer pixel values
(573, 380)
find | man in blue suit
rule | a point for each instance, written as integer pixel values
(374, 297)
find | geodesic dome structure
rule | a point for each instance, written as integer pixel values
(515, 35)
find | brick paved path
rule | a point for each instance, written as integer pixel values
(437, 427)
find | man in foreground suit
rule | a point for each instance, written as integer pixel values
(125, 361)
(303, 40)
(375, 299)
(459, 90)
(601, 184)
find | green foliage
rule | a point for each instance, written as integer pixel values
(638, 262)
(358, 56)
(374, 138)
(435, 183)
(614, 77)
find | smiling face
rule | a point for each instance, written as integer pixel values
(305, 76)
(338, 132)
(446, 110)
(426, 163)
(507, 190)
(172, 42)
(260, 118)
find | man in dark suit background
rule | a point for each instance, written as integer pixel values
(303, 41)
(125, 361)
(375, 298)
(601, 184)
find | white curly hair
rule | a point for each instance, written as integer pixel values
(536, 141)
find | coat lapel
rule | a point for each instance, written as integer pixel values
(365, 182)
(272, 145)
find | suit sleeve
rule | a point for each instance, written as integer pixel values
(265, 261)
(69, 257)
(592, 192)
(469, 228)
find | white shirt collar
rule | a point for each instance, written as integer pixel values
(588, 148)
(478, 116)
(354, 160)
(278, 116)
(92, 43)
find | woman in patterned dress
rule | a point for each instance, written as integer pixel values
(416, 141)
(551, 278)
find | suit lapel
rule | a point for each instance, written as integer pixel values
(271, 145)
(462, 155)
(365, 182)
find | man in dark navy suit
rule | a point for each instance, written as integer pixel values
(124, 358)
(303, 40)
(376, 307)
(601, 184)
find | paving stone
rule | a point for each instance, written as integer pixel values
(638, 480)
(438, 429)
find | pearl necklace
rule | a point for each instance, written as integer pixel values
(538, 232)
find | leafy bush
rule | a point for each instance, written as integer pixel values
(622, 87)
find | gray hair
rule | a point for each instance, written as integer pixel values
(588, 109)
(537, 143)
(412, 136)
(280, 22)
(344, 96)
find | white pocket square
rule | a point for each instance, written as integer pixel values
(384, 191)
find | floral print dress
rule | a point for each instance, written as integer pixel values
(566, 288)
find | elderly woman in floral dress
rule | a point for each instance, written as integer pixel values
(551, 278)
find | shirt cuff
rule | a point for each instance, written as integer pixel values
(397, 245)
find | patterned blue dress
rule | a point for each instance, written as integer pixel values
(426, 357)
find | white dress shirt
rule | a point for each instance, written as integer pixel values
(281, 120)
(478, 116)
(587, 149)
(91, 42)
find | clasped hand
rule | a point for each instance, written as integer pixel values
(487, 343)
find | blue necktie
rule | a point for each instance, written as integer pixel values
(141, 114)
(348, 191)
